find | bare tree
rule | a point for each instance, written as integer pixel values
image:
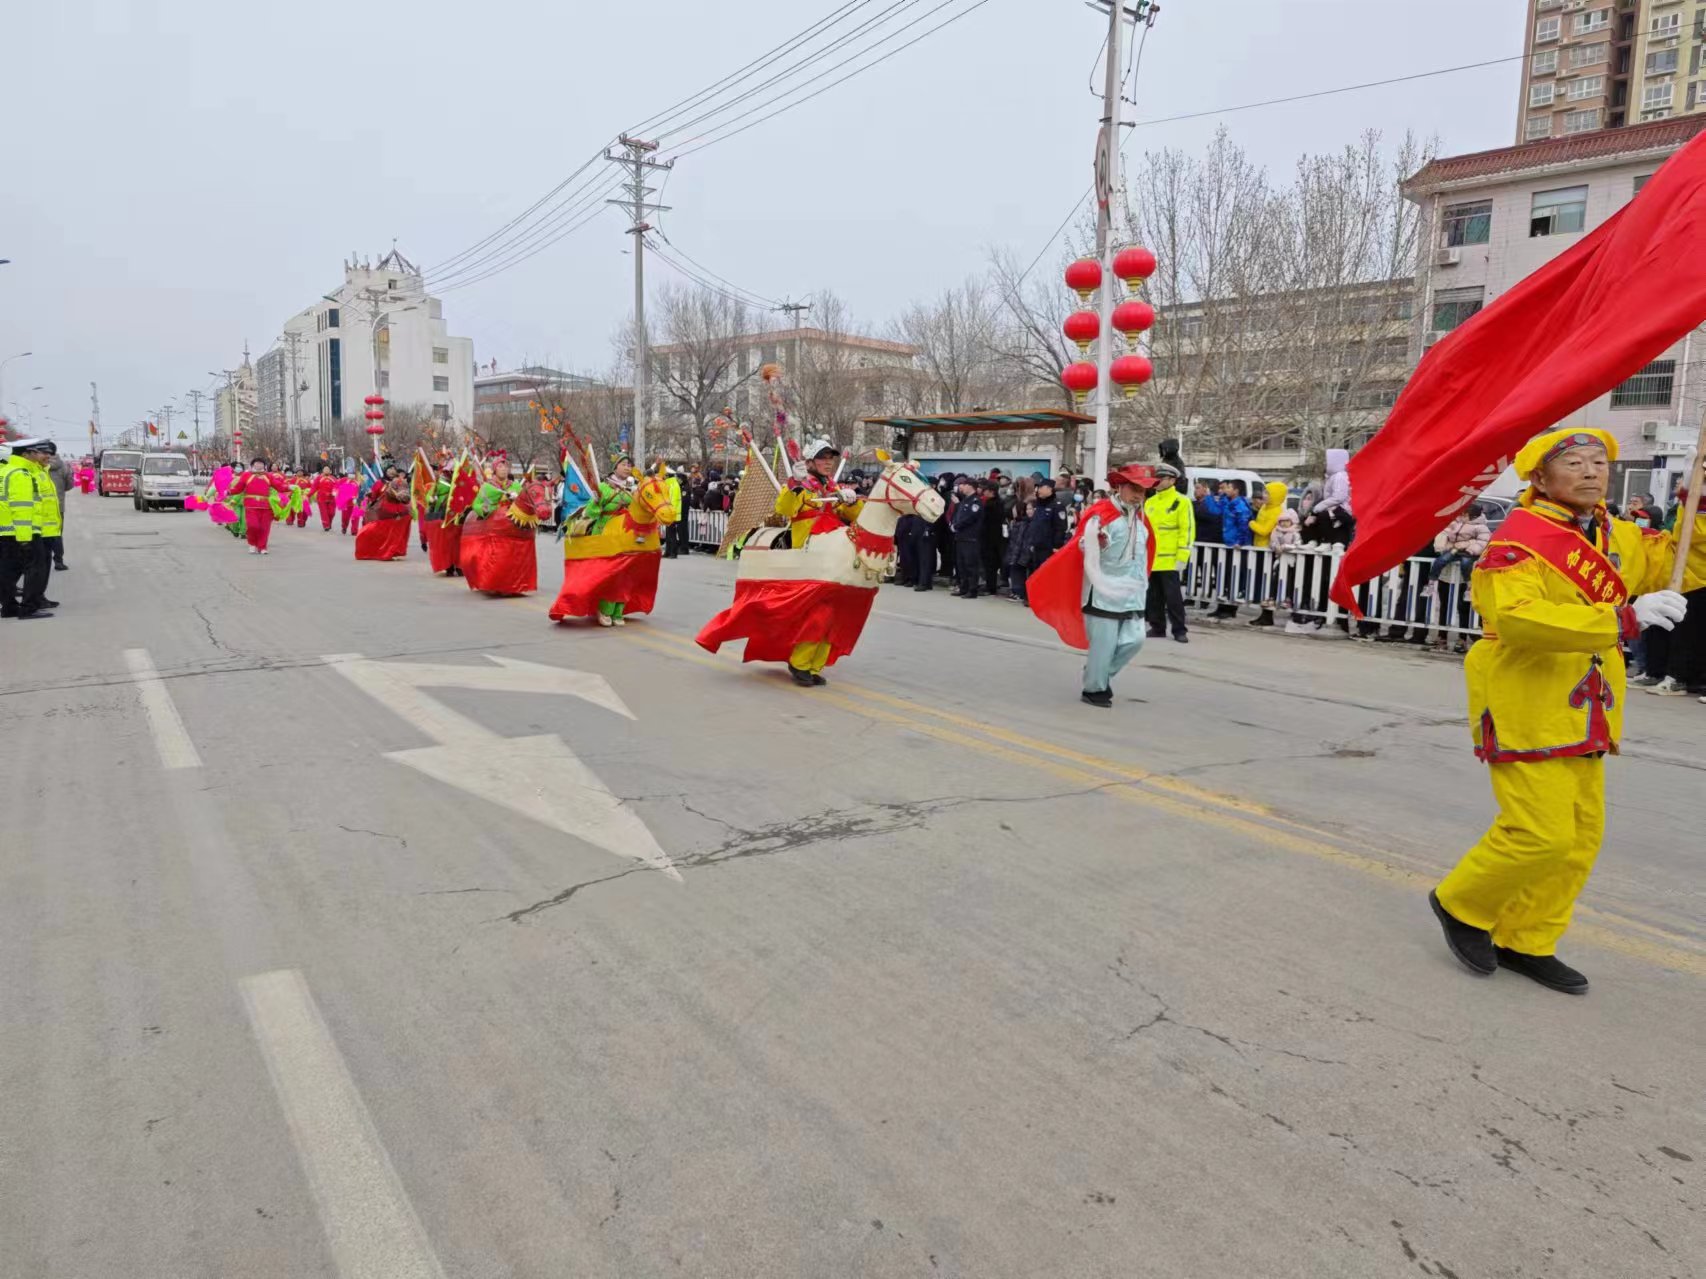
(699, 373)
(825, 390)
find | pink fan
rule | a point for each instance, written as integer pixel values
(192, 503)
(219, 513)
(222, 480)
(345, 493)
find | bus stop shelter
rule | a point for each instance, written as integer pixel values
(905, 428)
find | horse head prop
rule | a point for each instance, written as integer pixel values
(899, 490)
(531, 504)
(652, 504)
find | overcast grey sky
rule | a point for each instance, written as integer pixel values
(181, 175)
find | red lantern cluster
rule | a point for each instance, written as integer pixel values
(375, 414)
(1132, 317)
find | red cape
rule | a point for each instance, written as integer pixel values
(1055, 591)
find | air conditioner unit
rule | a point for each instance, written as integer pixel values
(1448, 257)
(1650, 430)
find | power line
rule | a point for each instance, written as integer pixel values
(878, 20)
(1326, 93)
(709, 282)
(440, 266)
(571, 204)
(500, 268)
(753, 298)
(541, 236)
(712, 141)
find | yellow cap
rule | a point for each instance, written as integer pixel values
(1543, 448)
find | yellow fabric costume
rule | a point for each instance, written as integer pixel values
(813, 506)
(1546, 688)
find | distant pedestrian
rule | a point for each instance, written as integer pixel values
(59, 472)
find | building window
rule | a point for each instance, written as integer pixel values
(1545, 62)
(1641, 182)
(1694, 54)
(1547, 29)
(331, 317)
(1656, 96)
(1695, 95)
(335, 366)
(1541, 95)
(1583, 121)
(1539, 126)
(441, 384)
(1588, 86)
(1453, 306)
(384, 379)
(441, 355)
(1558, 212)
(1664, 24)
(441, 412)
(1588, 23)
(1661, 62)
(1648, 389)
(1589, 55)
(1468, 223)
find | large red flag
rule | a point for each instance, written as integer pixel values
(1566, 335)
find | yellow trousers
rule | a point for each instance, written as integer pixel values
(810, 657)
(1521, 881)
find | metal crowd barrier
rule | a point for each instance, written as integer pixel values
(706, 528)
(1295, 582)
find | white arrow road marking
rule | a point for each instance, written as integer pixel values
(538, 777)
(370, 1225)
(170, 739)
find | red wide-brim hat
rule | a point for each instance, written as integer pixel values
(1142, 476)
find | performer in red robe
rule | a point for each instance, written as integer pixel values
(256, 487)
(325, 493)
(385, 535)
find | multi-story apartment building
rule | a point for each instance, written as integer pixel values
(379, 329)
(1604, 64)
(234, 407)
(272, 389)
(1492, 218)
(495, 390)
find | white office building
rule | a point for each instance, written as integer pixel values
(379, 320)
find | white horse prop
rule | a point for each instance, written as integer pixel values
(821, 593)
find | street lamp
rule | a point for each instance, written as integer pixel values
(3, 363)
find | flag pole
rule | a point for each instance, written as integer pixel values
(1690, 508)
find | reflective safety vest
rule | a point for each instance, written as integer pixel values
(24, 514)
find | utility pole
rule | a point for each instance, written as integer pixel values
(293, 341)
(166, 412)
(639, 165)
(1107, 187)
(196, 397)
(94, 419)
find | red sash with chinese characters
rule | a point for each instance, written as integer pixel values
(1563, 547)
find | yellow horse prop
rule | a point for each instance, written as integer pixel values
(611, 571)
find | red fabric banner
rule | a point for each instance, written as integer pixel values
(1567, 334)
(773, 616)
(628, 580)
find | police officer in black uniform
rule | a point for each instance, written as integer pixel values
(966, 524)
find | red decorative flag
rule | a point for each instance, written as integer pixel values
(1567, 334)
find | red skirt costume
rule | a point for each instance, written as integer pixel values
(385, 535)
(775, 616)
(444, 545)
(498, 556)
(629, 580)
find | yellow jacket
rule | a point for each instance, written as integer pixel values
(1547, 681)
(1262, 526)
(1174, 520)
(29, 504)
(1694, 573)
(804, 504)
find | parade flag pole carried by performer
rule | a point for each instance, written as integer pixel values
(1562, 585)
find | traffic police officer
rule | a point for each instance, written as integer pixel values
(29, 520)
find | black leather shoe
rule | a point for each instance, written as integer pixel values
(1550, 971)
(802, 678)
(1104, 699)
(1472, 946)
(818, 681)
(60, 566)
(47, 603)
(1181, 637)
(33, 614)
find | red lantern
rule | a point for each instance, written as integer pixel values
(1080, 379)
(374, 399)
(1132, 265)
(376, 429)
(1130, 372)
(1132, 318)
(1084, 277)
(375, 415)
(1082, 327)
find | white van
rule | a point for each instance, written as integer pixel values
(1254, 484)
(165, 480)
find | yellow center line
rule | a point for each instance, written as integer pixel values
(1133, 785)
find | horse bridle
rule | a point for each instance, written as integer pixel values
(888, 484)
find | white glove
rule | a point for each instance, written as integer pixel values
(848, 495)
(1663, 609)
(798, 470)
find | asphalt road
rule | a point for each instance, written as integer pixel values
(596, 956)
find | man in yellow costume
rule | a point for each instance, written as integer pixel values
(812, 503)
(1559, 588)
